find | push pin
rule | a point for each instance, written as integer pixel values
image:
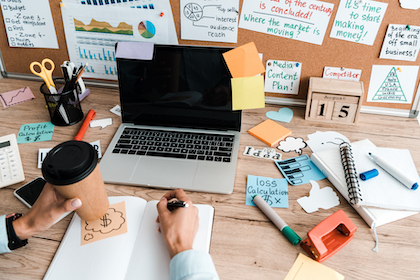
(297, 64)
(399, 69)
(408, 27)
(342, 68)
(161, 14)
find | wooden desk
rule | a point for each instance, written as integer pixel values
(245, 244)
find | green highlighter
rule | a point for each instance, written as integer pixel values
(280, 224)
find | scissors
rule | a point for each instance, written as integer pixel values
(45, 73)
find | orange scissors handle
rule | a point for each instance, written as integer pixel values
(44, 72)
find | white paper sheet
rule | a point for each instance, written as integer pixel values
(29, 24)
(401, 42)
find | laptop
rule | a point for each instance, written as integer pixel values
(178, 128)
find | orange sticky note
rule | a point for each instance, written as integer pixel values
(244, 61)
(270, 132)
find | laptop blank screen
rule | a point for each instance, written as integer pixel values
(182, 86)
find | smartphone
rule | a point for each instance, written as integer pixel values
(30, 192)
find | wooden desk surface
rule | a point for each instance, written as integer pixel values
(245, 244)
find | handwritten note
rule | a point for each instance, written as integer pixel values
(35, 132)
(282, 76)
(273, 191)
(17, 96)
(342, 73)
(113, 223)
(303, 20)
(210, 20)
(401, 42)
(358, 21)
(29, 24)
(392, 84)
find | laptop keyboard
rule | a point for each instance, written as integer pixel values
(185, 145)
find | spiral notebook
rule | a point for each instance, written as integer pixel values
(329, 162)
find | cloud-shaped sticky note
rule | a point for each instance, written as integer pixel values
(292, 144)
(324, 198)
(410, 4)
(102, 123)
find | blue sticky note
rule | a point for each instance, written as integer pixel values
(299, 170)
(273, 191)
(35, 132)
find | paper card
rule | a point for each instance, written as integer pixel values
(116, 110)
(113, 223)
(306, 268)
(282, 76)
(401, 42)
(244, 61)
(324, 140)
(29, 24)
(35, 132)
(324, 198)
(342, 73)
(282, 115)
(292, 144)
(248, 93)
(358, 21)
(102, 123)
(214, 20)
(305, 20)
(265, 153)
(299, 170)
(14, 97)
(135, 50)
(392, 84)
(42, 153)
(410, 4)
(273, 191)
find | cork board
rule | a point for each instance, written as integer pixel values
(333, 52)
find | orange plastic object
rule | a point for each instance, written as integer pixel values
(329, 236)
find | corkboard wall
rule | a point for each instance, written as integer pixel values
(333, 52)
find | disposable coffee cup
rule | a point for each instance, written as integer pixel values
(72, 168)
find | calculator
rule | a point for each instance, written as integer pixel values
(11, 170)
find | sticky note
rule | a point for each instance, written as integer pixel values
(244, 61)
(273, 191)
(270, 132)
(17, 96)
(306, 268)
(248, 93)
(35, 132)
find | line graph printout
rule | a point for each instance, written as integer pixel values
(17, 96)
(92, 32)
(214, 20)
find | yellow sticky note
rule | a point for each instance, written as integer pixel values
(113, 223)
(306, 268)
(244, 61)
(248, 93)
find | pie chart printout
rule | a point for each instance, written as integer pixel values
(147, 29)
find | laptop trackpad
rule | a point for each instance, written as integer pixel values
(170, 173)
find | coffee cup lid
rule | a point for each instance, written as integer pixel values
(69, 162)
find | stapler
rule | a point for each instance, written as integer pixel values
(329, 236)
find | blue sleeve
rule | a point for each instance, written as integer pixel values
(193, 265)
(3, 236)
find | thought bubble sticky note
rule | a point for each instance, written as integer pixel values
(244, 61)
(113, 223)
(248, 93)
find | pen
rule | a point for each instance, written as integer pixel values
(395, 172)
(90, 115)
(176, 204)
(280, 224)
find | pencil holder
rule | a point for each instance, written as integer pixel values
(64, 107)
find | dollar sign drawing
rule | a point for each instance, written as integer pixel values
(105, 221)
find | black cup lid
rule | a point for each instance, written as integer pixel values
(69, 162)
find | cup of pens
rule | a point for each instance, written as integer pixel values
(63, 105)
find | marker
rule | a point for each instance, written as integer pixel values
(395, 172)
(90, 115)
(280, 224)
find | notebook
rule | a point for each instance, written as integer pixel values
(140, 253)
(329, 162)
(180, 96)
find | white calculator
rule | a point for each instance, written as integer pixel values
(11, 170)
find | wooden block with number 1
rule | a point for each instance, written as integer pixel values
(335, 101)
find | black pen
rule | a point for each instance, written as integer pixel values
(176, 204)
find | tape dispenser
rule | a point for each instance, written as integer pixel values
(329, 236)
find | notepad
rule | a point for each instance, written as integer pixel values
(270, 132)
(329, 162)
